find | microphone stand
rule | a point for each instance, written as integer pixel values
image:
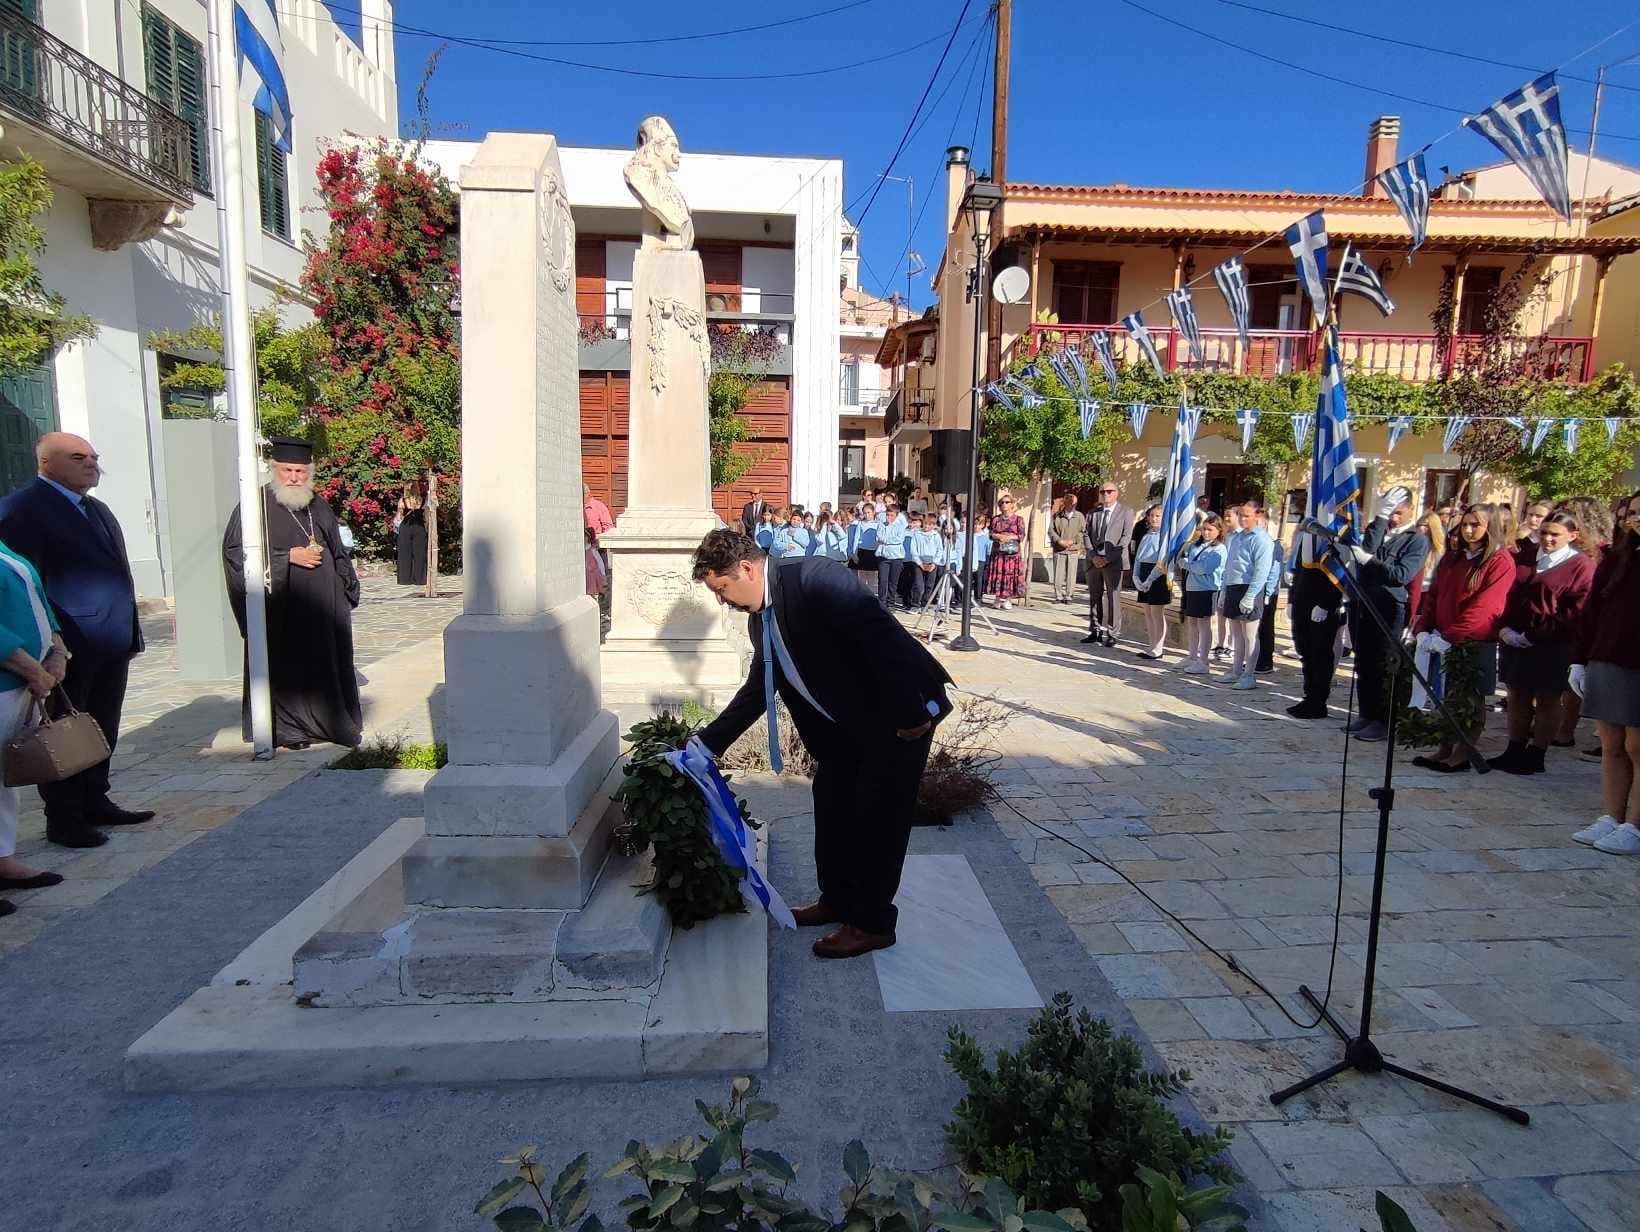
(1360, 1053)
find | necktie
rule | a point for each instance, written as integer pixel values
(96, 522)
(768, 688)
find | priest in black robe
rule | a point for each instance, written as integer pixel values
(309, 605)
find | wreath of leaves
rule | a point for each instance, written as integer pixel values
(1422, 729)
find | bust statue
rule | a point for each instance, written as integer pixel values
(666, 221)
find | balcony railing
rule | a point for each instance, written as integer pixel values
(1272, 352)
(867, 403)
(899, 413)
(48, 84)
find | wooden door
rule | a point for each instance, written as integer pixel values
(721, 264)
(28, 410)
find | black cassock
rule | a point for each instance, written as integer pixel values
(310, 625)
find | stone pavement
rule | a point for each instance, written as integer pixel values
(181, 753)
(1508, 962)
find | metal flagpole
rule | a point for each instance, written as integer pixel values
(237, 358)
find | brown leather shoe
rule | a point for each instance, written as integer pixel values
(851, 942)
(815, 915)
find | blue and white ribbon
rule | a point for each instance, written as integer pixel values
(730, 833)
(1088, 410)
(1399, 425)
(1137, 412)
(1247, 417)
(1302, 423)
(1455, 424)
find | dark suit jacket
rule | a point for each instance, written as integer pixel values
(83, 564)
(1395, 562)
(749, 514)
(859, 663)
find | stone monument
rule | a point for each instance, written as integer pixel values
(500, 939)
(667, 640)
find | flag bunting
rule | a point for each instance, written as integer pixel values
(1356, 277)
(1307, 239)
(1231, 276)
(1526, 127)
(1407, 184)
(1184, 318)
(1247, 417)
(1134, 323)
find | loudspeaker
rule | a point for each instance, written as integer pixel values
(951, 461)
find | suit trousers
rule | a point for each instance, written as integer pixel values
(1267, 635)
(1314, 640)
(98, 688)
(1105, 595)
(888, 580)
(1064, 574)
(1372, 654)
(865, 801)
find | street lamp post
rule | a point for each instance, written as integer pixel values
(980, 202)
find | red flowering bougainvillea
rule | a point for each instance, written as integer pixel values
(383, 283)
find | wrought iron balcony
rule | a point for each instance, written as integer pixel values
(91, 130)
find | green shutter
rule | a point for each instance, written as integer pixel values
(176, 79)
(272, 191)
(19, 76)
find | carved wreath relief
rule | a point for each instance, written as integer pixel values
(557, 232)
(662, 313)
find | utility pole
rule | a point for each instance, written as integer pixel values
(999, 92)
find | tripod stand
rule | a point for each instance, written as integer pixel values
(947, 592)
(1360, 1053)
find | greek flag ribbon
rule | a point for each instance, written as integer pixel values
(1526, 126)
(1407, 184)
(1518, 423)
(1455, 424)
(1062, 369)
(1137, 412)
(1087, 409)
(1307, 240)
(1398, 427)
(1231, 276)
(1101, 347)
(1612, 422)
(259, 48)
(1247, 417)
(1540, 433)
(1302, 423)
(1134, 323)
(1074, 354)
(999, 394)
(730, 833)
(1571, 427)
(1030, 401)
(1184, 317)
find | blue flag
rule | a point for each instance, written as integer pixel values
(1179, 488)
(1398, 426)
(1087, 409)
(1526, 126)
(1407, 184)
(1134, 323)
(1335, 489)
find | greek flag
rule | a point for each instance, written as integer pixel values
(1031, 400)
(1356, 277)
(1062, 369)
(1231, 276)
(1571, 427)
(1540, 433)
(1138, 411)
(1184, 316)
(1302, 422)
(1613, 423)
(1080, 369)
(1455, 424)
(1307, 238)
(1134, 323)
(732, 837)
(1179, 488)
(261, 75)
(1407, 184)
(999, 394)
(1087, 409)
(1526, 127)
(1107, 361)
(1398, 426)
(1247, 417)
(1337, 491)
(1030, 372)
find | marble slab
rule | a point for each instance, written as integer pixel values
(953, 953)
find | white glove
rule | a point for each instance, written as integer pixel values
(1392, 500)
(1246, 605)
(1511, 638)
(1318, 614)
(1362, 556)
(1576, 677)
(1437, 643)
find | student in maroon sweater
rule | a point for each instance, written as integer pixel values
(1606, 675)
(1540, 622)
(1464, 607)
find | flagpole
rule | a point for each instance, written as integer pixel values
(238, 351)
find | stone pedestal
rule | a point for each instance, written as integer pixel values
(668, 641)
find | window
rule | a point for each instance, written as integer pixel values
(1084, 292)
(181, 401)
(1266, 284)
(851, 384)
(1480, 285)
(176, 79)
(1441, 488)
(272, 191)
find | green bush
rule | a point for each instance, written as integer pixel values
(393, 753)
(1073, 1115)
(1165, 1205)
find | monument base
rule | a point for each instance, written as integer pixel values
(669, 640)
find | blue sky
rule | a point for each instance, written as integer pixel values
(1102, 92)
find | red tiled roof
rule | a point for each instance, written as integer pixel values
(1337, 227)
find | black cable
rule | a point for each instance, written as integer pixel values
(1395, 42)
(636, 42)
(905, 137)
(1313, 72)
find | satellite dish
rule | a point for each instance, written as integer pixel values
(1011, 286)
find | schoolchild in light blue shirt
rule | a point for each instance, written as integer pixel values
(798, 539)
(765, 531)
(833, 538)
(1203, 565)
(1250, 560)
(924, 552)
(891, 532)
(780, 533)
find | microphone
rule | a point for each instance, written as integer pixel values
(1320, 530)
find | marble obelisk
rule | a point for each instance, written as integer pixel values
(667, 640)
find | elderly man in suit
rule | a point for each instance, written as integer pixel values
(1110, 526)
(73, 541)
(865, 696)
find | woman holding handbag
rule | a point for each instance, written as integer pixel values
(32, 664)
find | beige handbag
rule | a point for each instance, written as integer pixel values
(56, 748)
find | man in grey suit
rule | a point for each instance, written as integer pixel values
(1110, 526)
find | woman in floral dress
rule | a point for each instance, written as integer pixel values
(1007, 577)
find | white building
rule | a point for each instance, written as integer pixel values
(769, 234)
(864, 386)
(110, 96)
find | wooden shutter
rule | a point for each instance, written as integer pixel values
(273, 194)
(176, 79)
(589, 278)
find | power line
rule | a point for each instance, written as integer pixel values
(1395, 42)
(1313, 72)
(635, 42)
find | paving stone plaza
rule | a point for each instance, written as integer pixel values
(1507, 965)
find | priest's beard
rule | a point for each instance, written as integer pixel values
(294, 495)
